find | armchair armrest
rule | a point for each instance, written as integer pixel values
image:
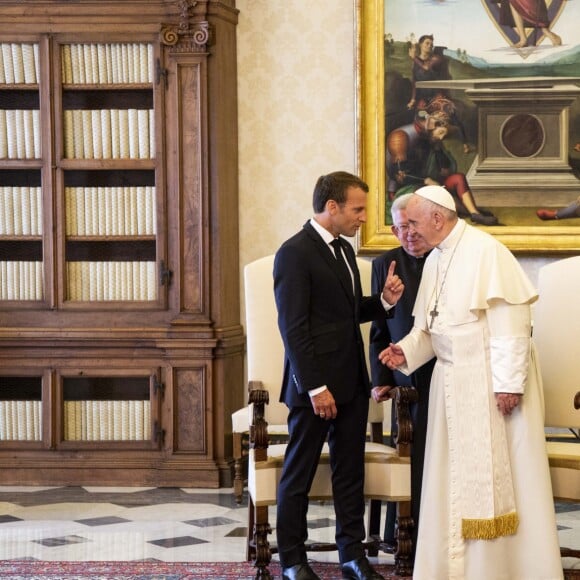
(258, 398)
(402, 397)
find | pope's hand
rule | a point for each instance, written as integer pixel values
(393, 356)
(507, 402)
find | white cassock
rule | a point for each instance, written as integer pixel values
(487, 511)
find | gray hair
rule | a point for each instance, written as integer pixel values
(400, 203)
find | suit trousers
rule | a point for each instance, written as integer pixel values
(346, 440)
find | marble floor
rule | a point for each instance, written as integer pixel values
(161, 524)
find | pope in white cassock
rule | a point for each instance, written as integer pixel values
(487, 511)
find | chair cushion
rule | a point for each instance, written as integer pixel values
(387, 476)
(242, 418)
(565, 469)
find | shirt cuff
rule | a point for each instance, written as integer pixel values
(385, 304)
(317, 391)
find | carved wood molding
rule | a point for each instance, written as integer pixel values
(187, 35)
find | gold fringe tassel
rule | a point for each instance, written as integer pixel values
(505, 525)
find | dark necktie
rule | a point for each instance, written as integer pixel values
(341, 263)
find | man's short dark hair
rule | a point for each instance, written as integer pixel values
(333, 186)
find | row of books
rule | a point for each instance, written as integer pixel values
(109, 134)
(20, 134)
(107, 281)
(110, 211)
(20, 420)
(19, 63)
(107, 420)
(20, 211)
(119, 63)
(20, 280)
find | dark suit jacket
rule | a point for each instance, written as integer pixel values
(319, 320)
(399, 320)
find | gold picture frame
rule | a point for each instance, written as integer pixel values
(375, 236)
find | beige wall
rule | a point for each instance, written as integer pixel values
(296, 76)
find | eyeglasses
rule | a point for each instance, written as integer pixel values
(403, 228)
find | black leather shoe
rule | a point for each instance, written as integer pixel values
(299, 572)
(389, 546)
(360, 569)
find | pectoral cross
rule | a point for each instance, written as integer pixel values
(433, 314)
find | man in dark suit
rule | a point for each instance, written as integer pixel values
(326, 384)
(409, 257)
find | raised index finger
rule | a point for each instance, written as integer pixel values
(391, 271)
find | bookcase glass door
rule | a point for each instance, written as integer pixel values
(21, 215)
(109, 172)
(20, 408)
(107, 408)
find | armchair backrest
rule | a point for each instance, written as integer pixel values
(556, 335)
(265, 350)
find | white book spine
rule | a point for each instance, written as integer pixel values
(11, 136)
(96, 126)
(106, 134)
(143, 133)
(17, 213)
(18, 63)
(30, 74)
(24, 197)
(3, 135)
(87, 124)
(29, 131)
(20, 134)
(37, 133)
(134, 133)
(123, 134)
(8, 62)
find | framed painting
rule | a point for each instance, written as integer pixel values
(481, 96)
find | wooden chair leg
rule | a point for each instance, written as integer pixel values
(238, 453)
(403, 528)
(250, 542)
(262, 547)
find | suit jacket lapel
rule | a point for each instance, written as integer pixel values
(328, 257)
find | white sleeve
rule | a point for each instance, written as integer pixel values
(417, 348)
(510, 342)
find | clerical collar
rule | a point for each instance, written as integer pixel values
(450, 241)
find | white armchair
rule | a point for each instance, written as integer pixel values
(556, 336)
(387, 473)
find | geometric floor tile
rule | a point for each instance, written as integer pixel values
(6, 519)
(64, 541)
(207, 522)
(321, 523)
(178, 542)
(102, 521)
(237, 533)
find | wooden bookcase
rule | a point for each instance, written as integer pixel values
(121, 349)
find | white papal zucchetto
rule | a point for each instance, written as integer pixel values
(438, 195)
